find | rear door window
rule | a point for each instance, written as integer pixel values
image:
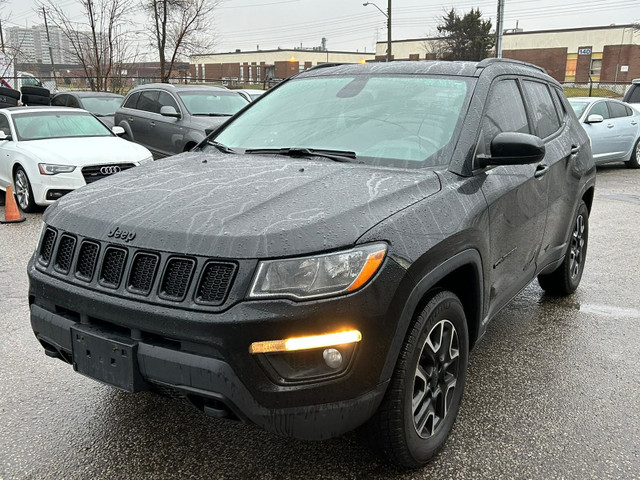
(132, 100)
(59, 101)
(543, 110)
(617, 110)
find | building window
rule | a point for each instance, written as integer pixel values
(250, 74)
(258, 72)
(596, 66)
(572, 64)
(241, 73)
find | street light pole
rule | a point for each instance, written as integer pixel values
(388, 15)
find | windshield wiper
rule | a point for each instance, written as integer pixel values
(221, 147)
(213, 114)
(336, 155)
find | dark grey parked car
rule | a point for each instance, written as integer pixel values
(329, 256)
(102, 104)
(170, 119)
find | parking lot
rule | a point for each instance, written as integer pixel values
(553, 389)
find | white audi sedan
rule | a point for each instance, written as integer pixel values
(46, 152)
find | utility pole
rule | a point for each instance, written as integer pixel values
(499, 29)
(389, 31)
(46, 26)
(1, 37)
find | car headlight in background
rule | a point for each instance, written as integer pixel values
(319, 275)
(51, 169)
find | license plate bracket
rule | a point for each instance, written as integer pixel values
(106, 357)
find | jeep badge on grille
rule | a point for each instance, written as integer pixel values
(121, 234)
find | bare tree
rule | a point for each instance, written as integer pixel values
(99, 42)
(179, 28)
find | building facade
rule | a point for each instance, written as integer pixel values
(609, 54)
(30, 45)
(260, 66)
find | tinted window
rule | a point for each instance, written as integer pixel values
(545, 117)
(600, 108)
(214, 102)
(629, 111)
(101, 105)
(557, 99)
(617, 109)
(635, 94)
(505, 113)
(4, 125)
(578, 107)
(132, 100)
(73, 102)
(149, 101)
(59, 101)
(167, 100)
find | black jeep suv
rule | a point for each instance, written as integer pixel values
(326, 259)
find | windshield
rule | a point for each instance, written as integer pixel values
(101, 105)
(388, 120)
(41, 125)
(212, 103)
(578, 107)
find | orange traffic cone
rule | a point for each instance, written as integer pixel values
(11, 211)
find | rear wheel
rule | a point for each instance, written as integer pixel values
(24, 193)
(634, 161)
(423, 398)
(566, 278)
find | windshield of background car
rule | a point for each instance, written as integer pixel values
(578, 107)
(386, 120)
(212, 103)
(41, 125)
(101, 105)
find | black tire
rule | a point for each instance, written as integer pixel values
(10, 92)
(37, 91)
(634, 161)
(35, 100)
(398, 433)
(8, 101)
(23, 191)
(3, 195)
(565, 279)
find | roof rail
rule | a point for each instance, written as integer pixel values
(489, 61)
(156, 84)
(327, 65)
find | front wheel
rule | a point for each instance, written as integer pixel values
(24, 193)
(565, 279)
(423, 397)
(634, 161)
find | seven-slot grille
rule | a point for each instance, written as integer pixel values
(96, 172)
(162, 277)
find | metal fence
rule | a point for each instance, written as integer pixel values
(596, 89)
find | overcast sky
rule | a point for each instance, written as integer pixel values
(349, 26)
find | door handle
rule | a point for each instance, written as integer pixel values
(153, 124)
(131, 119)
(541, 170)
(609, 125)
(633, 122)
(575, 149)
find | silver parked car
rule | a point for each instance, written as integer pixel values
(170, 119)
(102, 104)
(612, 126)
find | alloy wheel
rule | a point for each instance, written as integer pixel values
(577, 247)
(435, 378)
(22, 189)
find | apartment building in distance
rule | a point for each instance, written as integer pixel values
(30, 45)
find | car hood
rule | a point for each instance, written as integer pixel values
(84, 150)
(232, 206)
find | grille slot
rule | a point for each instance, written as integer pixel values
(93, 173)
(112, 266)
(87, 258)
(175, 282)
(143, 271)
(46, 248)
(64, 257)
(215, 282)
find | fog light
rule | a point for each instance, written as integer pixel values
(332, 357)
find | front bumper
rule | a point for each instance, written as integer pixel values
(205, 356)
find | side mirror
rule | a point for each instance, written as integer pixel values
(169, 111)
(594, 118)
(119, 131)
(512, 148)
(4, 136)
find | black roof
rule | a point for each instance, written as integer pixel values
(84, 94)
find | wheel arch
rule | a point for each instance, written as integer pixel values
(587, 197)
(461, 274)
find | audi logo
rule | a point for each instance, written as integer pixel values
(109, 170)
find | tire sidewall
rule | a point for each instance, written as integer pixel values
(32, 204)
(574, 282)
(443, 306)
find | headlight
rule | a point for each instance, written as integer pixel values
(318, 276)
(145, 160)
(51, 169)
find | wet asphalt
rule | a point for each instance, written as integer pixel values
(553, 389)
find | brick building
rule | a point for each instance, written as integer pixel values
(607, 54)
(260, 65)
